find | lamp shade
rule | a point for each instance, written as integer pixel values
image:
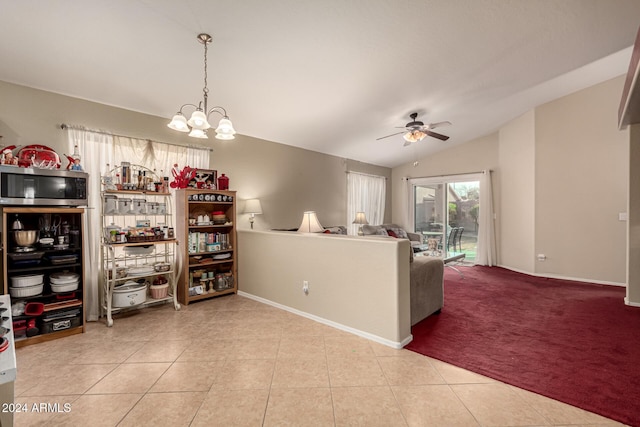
(179, 123)
(360, 218)
(310, 223)
(198, 120)
(225, 129)
(198, 133)
(414, 136)
(253, 206)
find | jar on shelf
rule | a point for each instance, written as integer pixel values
(124, 206)
(110, 204)
(152, 208)
(223, 182)
(138, 206)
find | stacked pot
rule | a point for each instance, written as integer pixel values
(26, 286)
(64, 281)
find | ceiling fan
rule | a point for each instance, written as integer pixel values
(416, 130)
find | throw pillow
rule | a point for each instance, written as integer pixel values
(392, 233)
(399, 232)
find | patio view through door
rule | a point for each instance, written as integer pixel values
(447, 209)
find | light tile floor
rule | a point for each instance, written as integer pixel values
(232, 361)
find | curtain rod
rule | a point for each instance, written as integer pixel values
(367, 174)
(65, 126)
(406, 178)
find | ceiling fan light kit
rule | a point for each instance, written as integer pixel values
(414, 136)
(198, 123)
(416, 130)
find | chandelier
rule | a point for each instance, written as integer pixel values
(198, 123)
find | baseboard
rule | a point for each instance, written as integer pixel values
(367, 335)
(557, 276)
(631, 304)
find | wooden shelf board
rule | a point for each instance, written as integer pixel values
(22, 342)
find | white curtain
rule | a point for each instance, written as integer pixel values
(159, 157)
(486, 231)
(197, 158)
(365, 193)
(96, 151)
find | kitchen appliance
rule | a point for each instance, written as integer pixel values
(129, 294)
(7, 364)
(32, 186)
(25, 238)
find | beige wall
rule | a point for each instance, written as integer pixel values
(561, 179)
(359, 284)
(517, 207)
(633, 262)
(474, 156)
(286, 179)
(581, 185)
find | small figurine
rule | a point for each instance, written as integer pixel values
(74, 160)
(8, 158)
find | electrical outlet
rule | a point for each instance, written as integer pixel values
(305, 287)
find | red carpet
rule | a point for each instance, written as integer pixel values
(574, 342)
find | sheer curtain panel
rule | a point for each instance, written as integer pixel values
(365, 193)
(486, 232)
(96, 150)
(198, 158)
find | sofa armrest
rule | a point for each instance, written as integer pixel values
(414, 237)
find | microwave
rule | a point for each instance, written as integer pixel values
(48, 187)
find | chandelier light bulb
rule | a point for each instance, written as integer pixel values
(225, 129)
(198, 133)
(198, 120)
(179, 123)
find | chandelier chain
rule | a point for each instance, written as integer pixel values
(205, 89)
(198, 123)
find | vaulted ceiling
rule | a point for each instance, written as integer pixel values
(329, 76)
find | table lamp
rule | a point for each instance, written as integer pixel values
(361, 220)
(253, 208)
(310, 223)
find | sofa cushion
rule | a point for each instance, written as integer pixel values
(338, 229)
(396, 230)
(374, 230)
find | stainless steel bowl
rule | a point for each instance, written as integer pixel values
(25, 237)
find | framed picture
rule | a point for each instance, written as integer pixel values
(205, 178)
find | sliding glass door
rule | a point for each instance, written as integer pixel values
(447, 209)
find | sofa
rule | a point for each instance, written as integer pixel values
(426, 278)
(426, 273)
(393, 230)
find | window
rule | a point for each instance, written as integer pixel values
(447, 209)
(365, 193)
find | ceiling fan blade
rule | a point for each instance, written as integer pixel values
(406, 143)
(438, 124)
(393, 134)
(436, 135)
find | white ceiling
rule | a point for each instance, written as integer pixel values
(326, 75)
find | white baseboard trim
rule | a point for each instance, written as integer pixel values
(631, 304)
(557, 276)
(367, 335)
